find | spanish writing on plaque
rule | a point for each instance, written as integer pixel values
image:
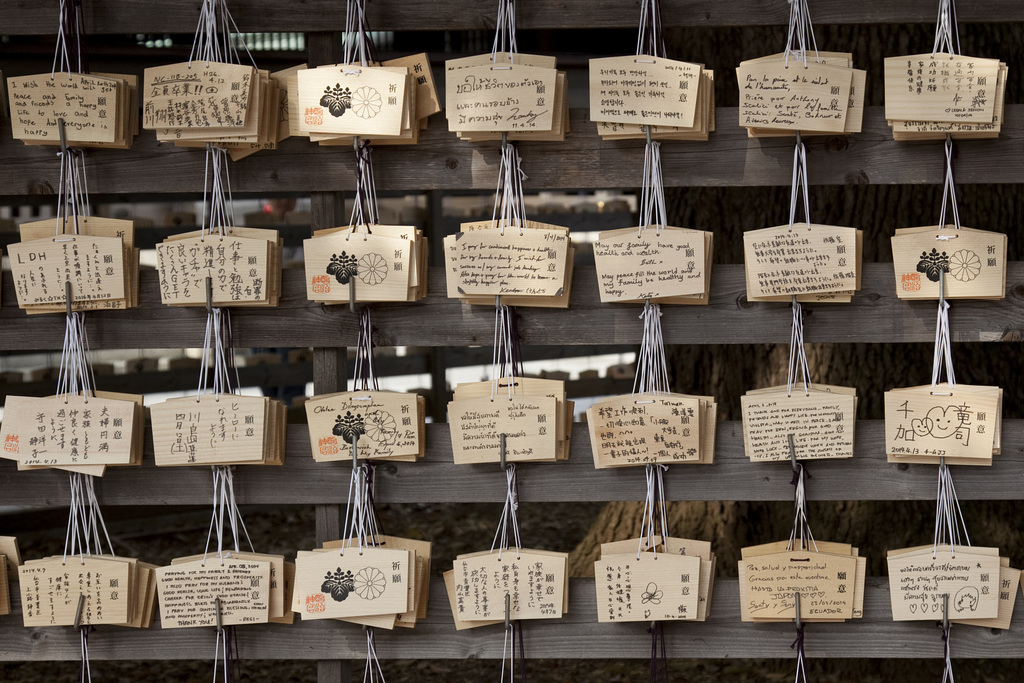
(383, 425)
(645, 90)
(919, 578)
(189, 592)
(813, 97)
(940, 87)
(804, 259)
(197, 94)
(655, 263)
(821, 422)
(971, 263)
(961, 423)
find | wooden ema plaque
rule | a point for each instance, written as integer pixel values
(703, 120)
(380, 266)
(73, 430)
(821, 422)
(506, 263)
(535, 580)
(796, 96)
(807, 259)
(651, 587)
(87, 103)
(209, 430)
(507, 95)
(384, 424)
(644, 90)
(940, 87)
(1009, 578)
(528, 423)
(920, 577)
(93, 265)
(654, 264)
(348, 99)
(50, 590)
(825, 583)
(958, 130)
(351, 582)
(960, 423)
(197, 95)
(238, 268)
(189, 592)
(277, 605)
(971, 263)
(645, 428)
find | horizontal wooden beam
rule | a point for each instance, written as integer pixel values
(436, 479)
(136, 16)
(875, 315)
(442, 162)
(576, 635)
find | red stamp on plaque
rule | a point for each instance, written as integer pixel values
(328, 445)
(911, 282)
(314, 116)
(11, 444)
(316, 603)
(322, 284)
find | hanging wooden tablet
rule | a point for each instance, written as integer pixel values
(50, 590)
(825, 584)
(288, 580)
(646, 587)
(820, 421)
(960, 423)
(974, 260)
(277, 605)
(658, 264)
(350, 99)
(380, 263)
(920, 577)
(807, 259)
(940, 87)
(190, 591)
(644, 90)
(387, 425)
(958, 130)
(798, 96)
(511, 93)
(703, 122)
(645, 428)
(217, 430)
(89, 104)
(94, 266)
(200, 94)
(351, 582)
(1009, 578)
(535, 580)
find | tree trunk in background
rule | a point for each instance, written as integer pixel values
(727, 372)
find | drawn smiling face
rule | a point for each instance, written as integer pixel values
(944, 422)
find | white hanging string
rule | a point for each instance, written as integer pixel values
(373, 672)
(213, 37)
(364, 376)
(86, 529)
(801, 33)
(509, 201)
(801, 532)
(943, 355)
(797, 353)
(947, 667)
(649, 40)
(218, 209)
(358, 45)
(505, 31)
(950, 527)
(655, 518)
(947, 33)
(652, 191)
(949, 190)
(508, 526)
(225, 508)
(801, 667)
(364, 208)
(503, 357)
(651, 367)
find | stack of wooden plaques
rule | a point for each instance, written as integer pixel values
(959, 422)
(534, 584)
(383, 585)
(972, 263)
(387, 104)
(96, 255)
(654, 579)
(1009, 580)
(675, 100)
(377, 262)
(830, 577)
(76, 433)
(820, 419)
(275, 126)
(642, 429)
(98, 110)
(246, 588)
(815, 263)
(782, 95)
(97, 589)
(242, 264)
(224, 429)
(10, 560)
(528, 265)
(659, 263)
(523, 96)
(930, 96)
(231, 105)
(381, 425)
(965, 580)
(532, 414)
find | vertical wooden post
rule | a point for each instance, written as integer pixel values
(329, 371)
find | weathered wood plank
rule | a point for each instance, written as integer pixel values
(576, 635)
(875, 315)
(136, 16)
(436, 479)
(440, 161)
